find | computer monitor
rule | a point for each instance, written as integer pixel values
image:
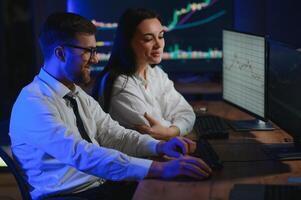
(244, 77)
(193, 41)
(284, 97)
(3, 166)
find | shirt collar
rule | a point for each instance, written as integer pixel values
(60, 89)
(142, 80)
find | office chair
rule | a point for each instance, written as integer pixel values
(22, 184)
(23, 187)
(101, 85)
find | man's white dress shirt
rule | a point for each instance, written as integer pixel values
(51, 152)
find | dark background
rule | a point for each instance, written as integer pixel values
(217, 16)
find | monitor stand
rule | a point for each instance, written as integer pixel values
(251, 125)
(283, 151)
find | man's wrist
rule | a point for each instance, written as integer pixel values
(155, 170)
(159, 148)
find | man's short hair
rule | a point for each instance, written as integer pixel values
(61, 28)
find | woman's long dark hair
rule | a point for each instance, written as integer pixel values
(122, 60)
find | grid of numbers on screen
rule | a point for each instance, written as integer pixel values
(244, 71)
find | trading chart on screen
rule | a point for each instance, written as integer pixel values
(193, 38)
(244, 67)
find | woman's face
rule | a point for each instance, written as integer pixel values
(148, 42)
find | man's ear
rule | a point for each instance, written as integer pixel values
(59, 53)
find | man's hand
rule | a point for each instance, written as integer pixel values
(183, 166)
(157, 130)
(176, 147)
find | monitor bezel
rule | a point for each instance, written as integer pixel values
(264, 117)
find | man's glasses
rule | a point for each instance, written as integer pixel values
(91, 50)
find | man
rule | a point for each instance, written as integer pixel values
(64, 142)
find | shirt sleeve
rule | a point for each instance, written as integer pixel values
(175, 108)
(110, 134)
(36, 121)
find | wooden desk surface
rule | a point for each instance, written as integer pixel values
(244, 162)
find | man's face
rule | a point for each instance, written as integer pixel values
(79, 60)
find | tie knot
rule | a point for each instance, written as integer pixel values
(71, 99)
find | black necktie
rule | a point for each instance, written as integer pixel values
(79, 122)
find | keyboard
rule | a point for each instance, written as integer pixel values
(211, 127)
(205, 151)
(265, 192)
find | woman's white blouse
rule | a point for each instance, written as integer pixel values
(131, 99)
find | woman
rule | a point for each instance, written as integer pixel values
(135, 91)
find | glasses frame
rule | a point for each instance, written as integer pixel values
(91, 50)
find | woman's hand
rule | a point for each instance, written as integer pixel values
(156, 130)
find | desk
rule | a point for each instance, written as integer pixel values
(245, 163)
(197, 88)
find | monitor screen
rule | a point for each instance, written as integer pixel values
(193, 41)
(284, 96)
(244, 67)
(2, 164)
